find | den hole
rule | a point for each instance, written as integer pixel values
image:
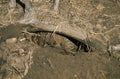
(46, 39)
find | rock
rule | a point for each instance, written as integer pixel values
(115, 51)
(11, 40)
(115, 48)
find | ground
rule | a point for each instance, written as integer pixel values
(25, 55)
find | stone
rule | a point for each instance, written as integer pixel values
(11, 40)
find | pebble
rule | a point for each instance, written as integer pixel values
(11, 40)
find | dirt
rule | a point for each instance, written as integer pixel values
(52, 64)
(40, 55)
